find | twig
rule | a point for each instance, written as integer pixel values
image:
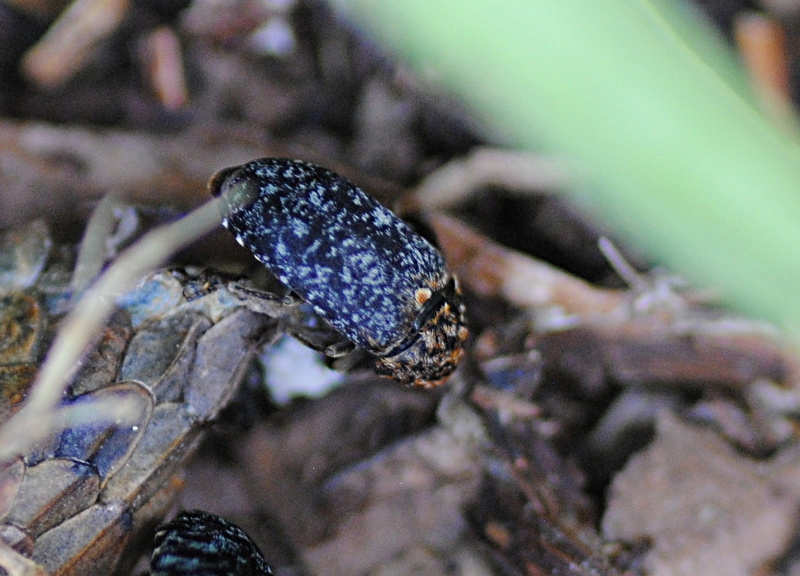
(62, 51)
(164, 66)
(510, 169)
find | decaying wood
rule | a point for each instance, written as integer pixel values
(636, 336)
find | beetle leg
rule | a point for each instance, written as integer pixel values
(263, 301)
(348, 360)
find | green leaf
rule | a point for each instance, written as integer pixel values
(655, 112)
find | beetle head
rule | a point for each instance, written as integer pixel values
(435, 345)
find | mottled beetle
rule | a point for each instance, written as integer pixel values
(362, 269)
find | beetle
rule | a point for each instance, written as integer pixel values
(366, 272)
(196, 542)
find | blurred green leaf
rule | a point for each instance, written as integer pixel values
(655, 112)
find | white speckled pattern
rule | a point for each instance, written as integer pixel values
(354, 261)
